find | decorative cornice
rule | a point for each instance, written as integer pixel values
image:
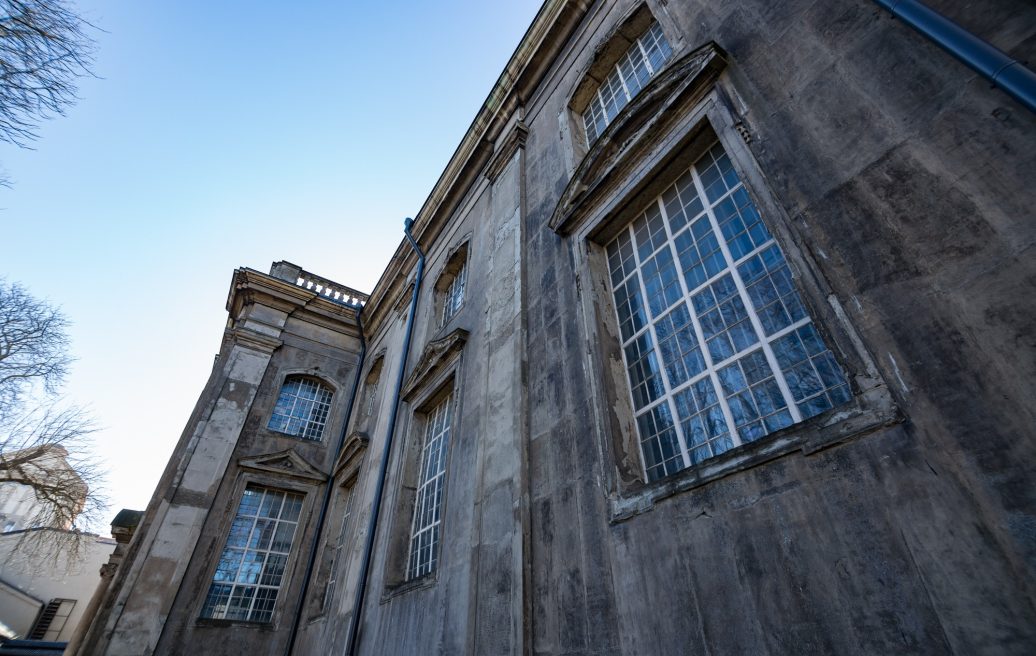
(505, 151)
(435, 355)
(347, 469)
(685, 81)
(548, 35)
(255, 341)
(284, 463)
(250, 286)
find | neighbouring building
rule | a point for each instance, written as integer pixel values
(44, 591)
(48, 570)
(20, 504)
(715, 336)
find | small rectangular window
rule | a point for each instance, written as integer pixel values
(718, 346)
(52, 620)
(453, 297)
(254, 559)
(631, 72)
(425, 531)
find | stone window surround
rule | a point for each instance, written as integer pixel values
(271, 481)
(333, 412)
(732, 381)
(371, 382)
(645, 171)
(436, 375)
(437, 428)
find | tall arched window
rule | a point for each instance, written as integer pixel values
(302, 408)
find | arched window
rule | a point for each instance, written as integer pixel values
(623, 78)
(302, 408)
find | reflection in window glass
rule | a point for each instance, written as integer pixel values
(718, 346)
(251, 567)
(425, 533)
(453, 298)
(635, 67)
(302, 408)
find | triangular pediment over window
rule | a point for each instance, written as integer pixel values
(436, 355)
(347, 468)
(284, 463)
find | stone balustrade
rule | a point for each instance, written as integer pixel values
(329, 289)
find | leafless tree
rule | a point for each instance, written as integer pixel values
(44, 443)
(44, 50)
(34, 349)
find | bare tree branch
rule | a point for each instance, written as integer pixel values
(33, 346)
(44, 444)
(44, 50)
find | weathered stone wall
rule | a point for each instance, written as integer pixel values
(898, 184)
(904, 177)
(473, 602)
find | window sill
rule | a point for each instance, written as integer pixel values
(209, 622)
(867, 412)
(420, 583)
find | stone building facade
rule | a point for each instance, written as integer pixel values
(714, 337)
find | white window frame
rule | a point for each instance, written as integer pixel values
(256, 555)
(712, 369)
(302, 411)
(425, 530)
(619, 82)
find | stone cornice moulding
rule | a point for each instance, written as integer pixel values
(633, 131)
(555, 22)
(284, 463)
(514, 141)
(251, 286)
(255, 341)
(436, 354)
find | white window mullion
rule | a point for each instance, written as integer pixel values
(671, 244)
(757, 325)
(604, 109)
(699, 334)
(622, 81)
(255, 592)
(656, 345)
(635, 53)
(644, 56)
(633, 338)
(438, 437)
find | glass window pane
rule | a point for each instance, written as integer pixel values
(717, 289)
(642, 59)
(427, 519)
(302, 408)
(248, 573)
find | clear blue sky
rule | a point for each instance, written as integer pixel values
(227, 134)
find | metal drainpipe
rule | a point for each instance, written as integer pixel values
(998, 67)
(322, 517)
(372, 524)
